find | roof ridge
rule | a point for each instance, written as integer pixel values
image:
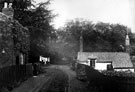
(104, 52)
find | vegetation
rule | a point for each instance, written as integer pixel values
(21, 37)
(37, 18)
(109, 81)
(119, 74)
(97, 36)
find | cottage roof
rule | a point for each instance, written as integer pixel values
(119, 59)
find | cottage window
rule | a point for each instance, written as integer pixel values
(110, 67)
(92, 63)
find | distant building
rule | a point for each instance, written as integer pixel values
(44, 60)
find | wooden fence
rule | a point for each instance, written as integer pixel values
(105, 83)
(12, 75)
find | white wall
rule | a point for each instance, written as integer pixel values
(85, 63)
(98, 66)
(132, 70)
(101, 66)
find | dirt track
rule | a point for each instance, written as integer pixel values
(74, 85)
(64, 77)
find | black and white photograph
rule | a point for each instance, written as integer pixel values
(67, 45)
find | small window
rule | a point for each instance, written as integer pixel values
(92, 62)
(109, 67)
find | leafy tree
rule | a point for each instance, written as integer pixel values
(40, 29)
(37, 18)
(100, 36)
(20, 34)
(21, 37)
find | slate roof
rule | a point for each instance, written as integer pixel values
(119, 59)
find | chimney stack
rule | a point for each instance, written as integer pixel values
(7, 10)
(81, 43)
(127, 43)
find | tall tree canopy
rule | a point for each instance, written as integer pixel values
(99, 36)
(37, 18)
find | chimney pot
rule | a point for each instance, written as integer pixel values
(5, 5)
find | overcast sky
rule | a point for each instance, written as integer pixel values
(110, 11)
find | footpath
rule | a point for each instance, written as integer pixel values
(35, 83)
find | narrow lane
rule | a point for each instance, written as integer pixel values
(64, 80)
(75, 85)
(59, 80)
